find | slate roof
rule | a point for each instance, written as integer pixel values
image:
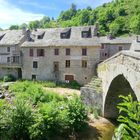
(117, 40)
(11, 37)
(52, 38)
(135, 46)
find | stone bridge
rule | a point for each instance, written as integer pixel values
(120, 75)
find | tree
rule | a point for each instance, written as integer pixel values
(34, 24)
(14, 27)
(44, 20)
(24, 25)
(135, 24)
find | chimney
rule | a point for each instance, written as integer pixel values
(23, 30)
(110, 36)
(137, 38)
(96, 29)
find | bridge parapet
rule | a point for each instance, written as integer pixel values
(126, 58)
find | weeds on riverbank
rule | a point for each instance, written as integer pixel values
(38, 114)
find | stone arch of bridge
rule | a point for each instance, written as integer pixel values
(118, 86)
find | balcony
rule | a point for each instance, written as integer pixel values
(12, 62)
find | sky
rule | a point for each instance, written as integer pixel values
(23, 11)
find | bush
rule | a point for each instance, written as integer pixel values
(71, 84)
(50, 96)
(77, 114)
(130, 119)
(34, 92)
(8, 78)
(55, 117)
(17, 119)
(49, 84)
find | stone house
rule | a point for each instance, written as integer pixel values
(10, 53)
(60, 54)
(110, 46)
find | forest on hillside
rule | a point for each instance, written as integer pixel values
(119, 17)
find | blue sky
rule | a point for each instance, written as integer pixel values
(19, 11)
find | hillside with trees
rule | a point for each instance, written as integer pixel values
(119, 17)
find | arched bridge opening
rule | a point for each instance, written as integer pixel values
(119, 86)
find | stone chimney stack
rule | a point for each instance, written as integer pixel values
(137, 38)
(24, 30)
(96, 29)
(110, 36)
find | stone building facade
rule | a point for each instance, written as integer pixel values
(60, 54)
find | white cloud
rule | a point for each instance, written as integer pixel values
(9, 14)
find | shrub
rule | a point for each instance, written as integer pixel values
(55, 117)
(130, 119)
(28, 91)
(8, 78)
(50, 96)
(71, 84)
(17, 119)
(77, 114)
(50, 84)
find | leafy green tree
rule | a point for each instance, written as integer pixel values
(44, 21)
(14, 27)
(24, 25)
(135, 24)
(34, 24)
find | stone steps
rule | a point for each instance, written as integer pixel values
(95, 84)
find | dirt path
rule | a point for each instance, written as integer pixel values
(64, 91)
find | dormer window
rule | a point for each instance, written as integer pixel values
(40, 36)
(86, 32)
(65, 34)
(1, 36)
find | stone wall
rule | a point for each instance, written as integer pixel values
(91, 94)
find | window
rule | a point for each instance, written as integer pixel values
(84, 51)
(56, 66)
(86, 33)
(84, 63)
(31, 52)
(67, 63)
(69, 77)
(40, 52)
(102, 46)
(35, 64)
(105, 54)
(8, 59)
(40, 37)
(8, 49)
(15, 59)
(68, 51)
(65, 34)
(120, 48)
(33, 77)
(56, 51)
